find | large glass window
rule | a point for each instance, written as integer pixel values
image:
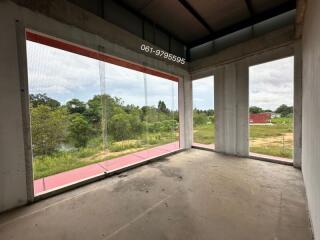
(203, 112)
(271, 108)
(89, 116)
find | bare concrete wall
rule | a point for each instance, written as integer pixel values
(12, 168)
(116, 42)
(311, 112)
(231, 108)
(230, 68)
(264, 48)
(185, 112)
(83, 28)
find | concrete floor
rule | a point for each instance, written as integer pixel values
(192, 195)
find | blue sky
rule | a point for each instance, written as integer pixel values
(63, 75)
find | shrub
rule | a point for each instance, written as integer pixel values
(119, 126)
(48, 129)
(79, 130)
(199, 118)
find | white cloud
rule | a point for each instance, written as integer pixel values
(64, 75)
(203, 93)
(271, 84)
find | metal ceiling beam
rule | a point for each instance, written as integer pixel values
(143, 18)
(196, 15)
(290, 5)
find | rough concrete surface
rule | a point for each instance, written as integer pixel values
(195, 194)
(311, 111)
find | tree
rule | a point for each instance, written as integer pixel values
(209, 112)
(284, 110)
(93, 111)
(75, 106)
(255, 109)
(119, 126)
(79, 130)
(43, 99)
(199, 118)
(48, 129)
(101, 105)
(136, 125)
(162, 107)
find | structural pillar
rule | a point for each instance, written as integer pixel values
(297, 104)
(185, 112)
(231, 108)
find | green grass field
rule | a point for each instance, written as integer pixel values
(204, 134)
(61, 161)
(273, 140)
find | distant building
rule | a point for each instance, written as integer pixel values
(256, 118)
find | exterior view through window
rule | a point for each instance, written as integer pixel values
(89, 116)
(271, 108)
(203, 112)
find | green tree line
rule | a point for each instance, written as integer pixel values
(283, 110)
(76, 122)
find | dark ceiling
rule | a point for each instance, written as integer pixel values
(197, 21)
(190, 22)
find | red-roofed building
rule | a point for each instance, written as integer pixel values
(259, 118)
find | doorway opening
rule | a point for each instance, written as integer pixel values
(203, 113)
(271, 109)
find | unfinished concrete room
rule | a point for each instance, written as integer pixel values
(159, 119)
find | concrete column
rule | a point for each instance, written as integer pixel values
(231, 108)
(185, 112)
(242, 94)
(13, 189)
(218, 109)
(297, 105)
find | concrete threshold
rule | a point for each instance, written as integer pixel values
(254, 156)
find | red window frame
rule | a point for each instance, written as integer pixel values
(74, 48)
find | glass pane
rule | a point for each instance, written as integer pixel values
(162, 111)
(89, 117)
(126, 124)
(65, 126)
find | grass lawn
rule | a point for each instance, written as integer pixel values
(273, 140)
(204, 134)
(47, 165)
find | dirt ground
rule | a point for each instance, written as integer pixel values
(285, 139)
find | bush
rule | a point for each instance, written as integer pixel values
(199, 118)
(119, 127)
(136, 125)
(79, 130)
(48, 129)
